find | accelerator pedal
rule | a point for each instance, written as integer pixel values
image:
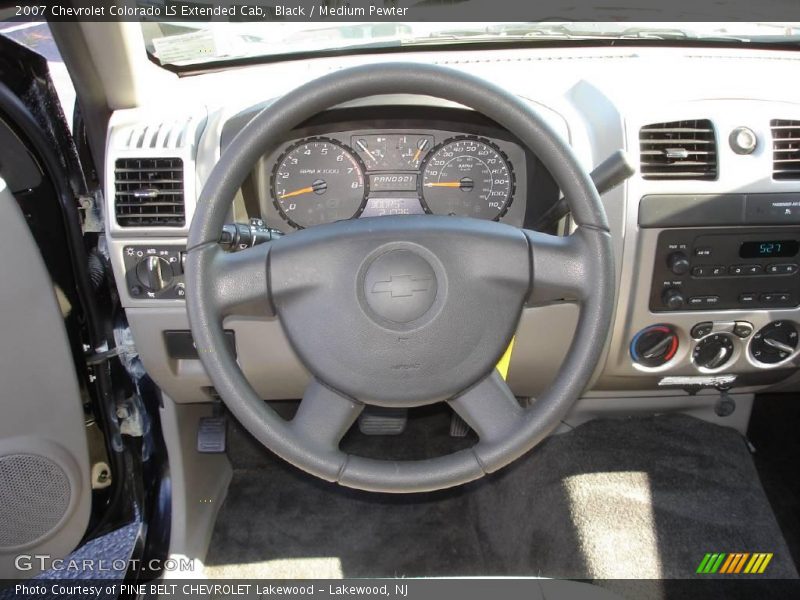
(379, 420)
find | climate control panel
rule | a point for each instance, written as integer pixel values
(715, 346)
(154, 272)
(697, 270)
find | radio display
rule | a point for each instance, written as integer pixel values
(769, 249)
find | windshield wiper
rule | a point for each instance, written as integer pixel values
(543, 30)
(677, 34)
(510, 31)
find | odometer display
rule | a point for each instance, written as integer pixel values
(318, 181)
(467, 177)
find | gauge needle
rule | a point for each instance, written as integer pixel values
(422, 145)
(305, 190)
(320, 186)
(363, 146)
(445, 184)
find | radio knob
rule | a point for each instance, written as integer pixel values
(154, 273)
(672, 298)
(678, 263)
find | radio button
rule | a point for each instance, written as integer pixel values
(745, 269)
(702, 251)
(742, 269)
(701, 271)
(718, 271)
(768, 298)
(703, 300)
(783, 298)
(747, 298)
(782, 269)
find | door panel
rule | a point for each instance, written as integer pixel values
(45, 488)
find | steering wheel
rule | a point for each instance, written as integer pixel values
(461, 286)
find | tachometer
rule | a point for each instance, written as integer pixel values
(468, 177)
(318, 180)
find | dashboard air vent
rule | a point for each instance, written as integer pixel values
(149, 192)
(679, 150)
(785, 149)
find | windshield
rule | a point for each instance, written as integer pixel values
(187, 44)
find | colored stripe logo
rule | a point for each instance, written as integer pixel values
(734, 563)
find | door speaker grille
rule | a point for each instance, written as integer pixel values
(34, 496)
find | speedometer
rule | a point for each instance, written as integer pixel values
(318, 180)
(467, 177)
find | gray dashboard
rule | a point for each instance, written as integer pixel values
(588, 97)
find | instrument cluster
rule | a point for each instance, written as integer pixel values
(330, 177)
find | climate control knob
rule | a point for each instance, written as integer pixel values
(654, 346)
(713, 351)
(154, 273)
(774, 343)
(678, 263)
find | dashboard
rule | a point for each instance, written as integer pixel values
(706, 235)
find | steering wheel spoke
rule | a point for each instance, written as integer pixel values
(489, 408)
(324, 416)
(241, 281)
(562, 266)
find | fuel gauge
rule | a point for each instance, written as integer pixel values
(372, 149)
(413, 148)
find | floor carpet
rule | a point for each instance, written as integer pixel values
(774, 433)
(633, 498)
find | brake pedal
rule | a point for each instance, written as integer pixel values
(212, 435)
(458, 426)
(376, 420)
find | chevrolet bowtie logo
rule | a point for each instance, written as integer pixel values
(402, 286)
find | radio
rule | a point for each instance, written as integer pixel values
(698, 270)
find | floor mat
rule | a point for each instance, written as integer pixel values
(616, 498)
(773, 431)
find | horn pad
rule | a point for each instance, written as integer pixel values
(401, 311)
(400, 287)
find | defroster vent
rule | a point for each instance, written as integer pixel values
(149, 192)
(679, 150)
